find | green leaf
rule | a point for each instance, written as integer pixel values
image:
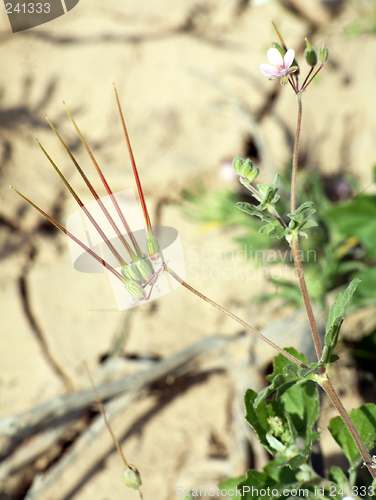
(231, 484)
(364, 419)
(256, 484)
(356, 218)
(299, 220)
(299, 459)
(302, 404)
(336, 314)
(273, 229)
(338, 476)
(285, 375)
(258, 417)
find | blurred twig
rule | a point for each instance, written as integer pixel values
(47, 413)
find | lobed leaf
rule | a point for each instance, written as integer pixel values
(273, 229)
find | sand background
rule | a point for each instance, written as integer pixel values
(183, 71)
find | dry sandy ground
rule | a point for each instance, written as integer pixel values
(184, 72)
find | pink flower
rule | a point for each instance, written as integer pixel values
(278, 67)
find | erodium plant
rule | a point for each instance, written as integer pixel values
(285, 413)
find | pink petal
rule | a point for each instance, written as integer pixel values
(283, 72)
(274, 57)
(268, 70)
(289, 57)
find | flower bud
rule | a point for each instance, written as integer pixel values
(132, 478)
(310, 54)
(254, 173)
(237, 164)
(130, 272)
(323, 54)
(135, 289)
(246, 168)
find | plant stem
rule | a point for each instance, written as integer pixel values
(306, 85)
(236, 318)
(296, 152)
(306, 78)
(294, 243)
(330, 391)
(307, 303)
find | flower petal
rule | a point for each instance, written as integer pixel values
(283, 72)
(274, 57)
(268, 70)
(288, 58)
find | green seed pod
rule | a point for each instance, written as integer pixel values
(237, 164)
(145, 268)
(132, 478)
(135, 289)
(323, 54)
(254, 173)
(153, 245)
(130, 272)
(310, 54)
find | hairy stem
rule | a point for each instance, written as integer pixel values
(234, 317)
(330, 391)
(307, 303)
(294, 243)
(296, 152)
(246, 183)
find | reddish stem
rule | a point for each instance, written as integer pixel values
(134, 167)
(76, 240)
(95, 194)
(107, 187)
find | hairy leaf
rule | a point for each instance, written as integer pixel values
(273, 229)
(336, 314)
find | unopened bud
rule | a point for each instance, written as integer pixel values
(132, 478)
(246, 168)
(130, 272)
(135, 289)
(153, 245)
(254, 173)
(323, 54)
(237, 164)
(310, 54)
